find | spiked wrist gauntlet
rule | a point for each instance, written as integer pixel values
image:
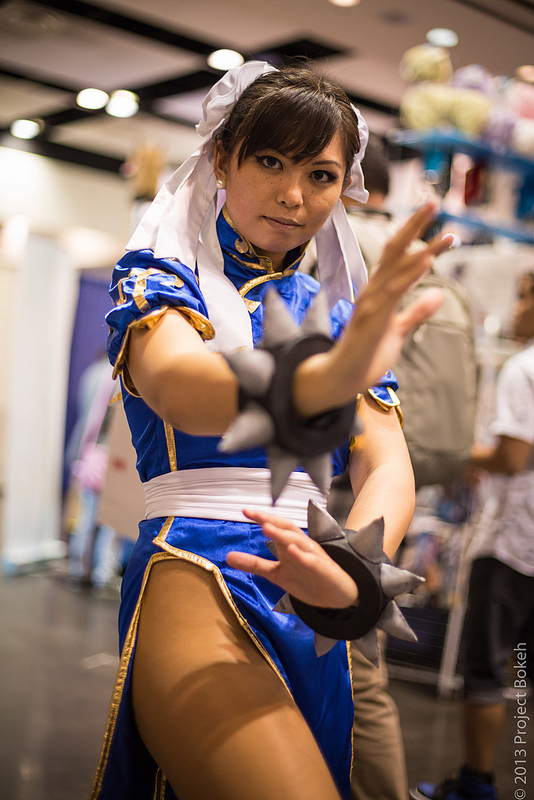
(352, 622)
(305, 437)
(268, 417)
(360, 554)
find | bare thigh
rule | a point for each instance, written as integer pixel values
(212, 712)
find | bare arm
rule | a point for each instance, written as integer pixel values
(508, 456)
(192, 389)
(382, 477)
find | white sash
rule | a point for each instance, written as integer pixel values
(223, 493)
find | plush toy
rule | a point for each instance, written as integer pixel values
(426, 63)
(474, 77)
(431, 105)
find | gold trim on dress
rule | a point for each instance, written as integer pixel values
(351, 677)
(121, 676)
(199, 322)
(252, 305)
(385, 405)
(169, 553)
(161, 783)
(200, 561)
(394, 402)
(121, 367)
(171, 446)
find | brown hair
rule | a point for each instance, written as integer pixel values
(293, 111)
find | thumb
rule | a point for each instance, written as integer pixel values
(420, 310)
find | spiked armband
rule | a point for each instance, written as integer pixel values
(267, 413)
(360, 554)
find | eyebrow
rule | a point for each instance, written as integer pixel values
(326, 163)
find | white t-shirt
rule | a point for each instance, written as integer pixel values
(506, 527)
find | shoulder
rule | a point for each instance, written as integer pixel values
(519, 367)
(143, 264)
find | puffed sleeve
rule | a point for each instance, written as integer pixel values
(384, 393)
(143, 289)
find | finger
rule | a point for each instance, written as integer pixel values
(262, 517)
(413, 227)
(292, 534)
(440, 243)
(420, 310)
(246, 562)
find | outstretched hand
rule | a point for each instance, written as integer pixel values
(373, 338)
(302, 568)
(398, 269)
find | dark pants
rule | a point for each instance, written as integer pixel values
(499, 618)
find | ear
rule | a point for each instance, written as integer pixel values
(220, 161)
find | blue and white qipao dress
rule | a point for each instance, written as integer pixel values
(144, 288)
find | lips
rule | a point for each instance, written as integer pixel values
(282, 222)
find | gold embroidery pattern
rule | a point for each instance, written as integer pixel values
(251, 305)
(171, 446)
(138, 292)
(140, 285)
(132, 274)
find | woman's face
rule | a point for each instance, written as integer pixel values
(277, 204)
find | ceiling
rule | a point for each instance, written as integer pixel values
(158, 49)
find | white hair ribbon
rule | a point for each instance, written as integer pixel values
(181, 221)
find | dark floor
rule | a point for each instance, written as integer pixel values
(57, 666)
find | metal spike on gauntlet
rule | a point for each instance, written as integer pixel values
(360, 553)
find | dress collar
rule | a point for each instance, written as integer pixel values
(241, 252)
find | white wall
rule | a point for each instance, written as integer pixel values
(56, 196)
(56, 218)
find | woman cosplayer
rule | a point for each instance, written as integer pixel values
(219, 694)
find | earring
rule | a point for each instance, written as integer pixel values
(220, 184)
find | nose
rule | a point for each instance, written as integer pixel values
(290, 193)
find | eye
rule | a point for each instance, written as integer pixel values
(323, 176)
(270, 162)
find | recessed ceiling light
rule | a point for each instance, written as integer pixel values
(25, 128)
(344, 3)
(442, 37)
(92, 98)
(225, 59)
(526, 73)
(123, 103)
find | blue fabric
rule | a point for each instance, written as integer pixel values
(320, 686)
